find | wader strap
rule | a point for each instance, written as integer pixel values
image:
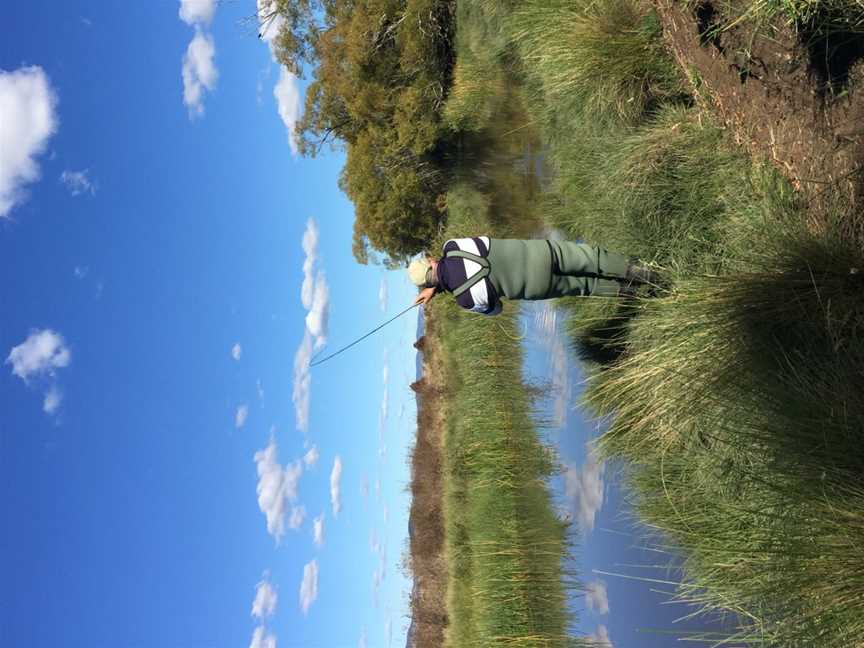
(556, 264)
(477, 277)
(556, 267)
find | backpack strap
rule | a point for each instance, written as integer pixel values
(475, 278)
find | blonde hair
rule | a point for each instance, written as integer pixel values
(417, 271)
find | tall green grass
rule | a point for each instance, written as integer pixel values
(738, 398)
(506, 547)
(739, 406)
(596, 60)
(671, 190)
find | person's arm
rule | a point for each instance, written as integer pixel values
(425, 296)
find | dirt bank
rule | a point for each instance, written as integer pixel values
(426, 521)
(789, 95)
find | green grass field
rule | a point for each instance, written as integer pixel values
(736, 399)
(506, 546)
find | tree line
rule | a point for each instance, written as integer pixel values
(380, 74)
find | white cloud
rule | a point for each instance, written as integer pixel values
(379, 574)
(265, 601)
(41, 353)
(199, 72)
(81, 271)
(335, 487)
(388, 630)
(302, 383)
(601, 637)
(596, 597)
(269, 22)
(385, 397)
(315, 296)
(236, 351)
(259, 389)
(286, 91)
(318, 316)
(78, 182)
(363, 643)
(311, 457)
(378, 488)
(262, 640)
(287, 94)
(584, 491)
(27, 120)
(310, 249)
(364, 487)
(298, 514)
(546, 326)
(241, 416)
(197, 11)
(374, 543)
(383, 411)
(259, 84)
(382, 296)
(318, 530)
(52, 400)
(277, 486)
(309, 586)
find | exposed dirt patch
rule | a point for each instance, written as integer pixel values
(428, 564)
(794, 98)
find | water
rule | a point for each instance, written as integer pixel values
(612, 550)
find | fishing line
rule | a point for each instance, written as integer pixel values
(360, 339)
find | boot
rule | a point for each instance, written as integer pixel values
(628, 290)
(638, 273)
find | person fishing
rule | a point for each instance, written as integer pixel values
(479, 271)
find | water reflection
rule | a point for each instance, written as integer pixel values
(630, 576)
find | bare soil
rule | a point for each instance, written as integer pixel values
(790, 96)
(428, 564)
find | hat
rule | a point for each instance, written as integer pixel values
(417, 271)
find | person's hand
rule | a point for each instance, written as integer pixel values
(425, 295)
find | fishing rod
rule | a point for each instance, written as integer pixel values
(360, 339)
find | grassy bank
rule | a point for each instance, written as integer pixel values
(505, 544)
(737, 399)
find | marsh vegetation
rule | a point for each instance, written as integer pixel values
(720, 141)
(737, 399)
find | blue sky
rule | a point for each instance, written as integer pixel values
(170, 267)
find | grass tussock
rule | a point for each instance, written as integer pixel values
(672, 189)
(602, 61)
(739, 405)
